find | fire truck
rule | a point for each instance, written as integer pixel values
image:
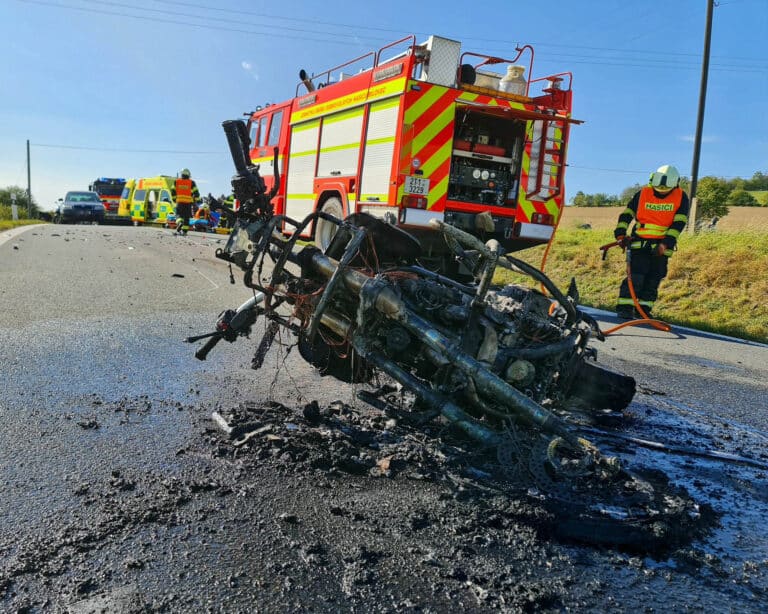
(109, 190)
(413, 132)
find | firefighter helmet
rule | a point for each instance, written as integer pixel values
(185, 174)
(665, 178)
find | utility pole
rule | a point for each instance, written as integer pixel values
(29, 186)
(702, 103)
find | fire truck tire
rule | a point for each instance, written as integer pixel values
(326, 230)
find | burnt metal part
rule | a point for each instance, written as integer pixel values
(487, 360)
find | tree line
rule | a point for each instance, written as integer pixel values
(714, 194)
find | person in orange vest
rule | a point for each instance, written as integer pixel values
(185, 193)
(660, 211)
(203, 213)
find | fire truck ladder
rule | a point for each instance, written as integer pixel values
(546, 174)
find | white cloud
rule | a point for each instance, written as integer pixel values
(250, 69)
(690, 138)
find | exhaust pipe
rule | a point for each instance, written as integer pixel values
(306, 80)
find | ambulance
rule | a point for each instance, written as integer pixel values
(149, 200)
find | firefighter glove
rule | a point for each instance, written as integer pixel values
(623, 241)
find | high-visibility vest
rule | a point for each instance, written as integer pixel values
(655, 214)
(184, 191)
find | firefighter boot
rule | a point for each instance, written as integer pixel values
(640, 316)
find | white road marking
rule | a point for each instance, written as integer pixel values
(12, 233)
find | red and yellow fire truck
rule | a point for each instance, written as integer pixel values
(109, 190)
(423, 131)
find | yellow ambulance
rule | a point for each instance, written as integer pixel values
(149, 200)
(124, 206)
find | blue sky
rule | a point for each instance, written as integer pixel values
(140, 88)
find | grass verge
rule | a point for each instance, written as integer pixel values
(717, 282)
(7, 224)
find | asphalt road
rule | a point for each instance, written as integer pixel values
(118, 493)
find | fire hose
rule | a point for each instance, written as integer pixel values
(646, 319)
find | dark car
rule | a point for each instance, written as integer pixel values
(80, 207)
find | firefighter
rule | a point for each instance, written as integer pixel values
(185, 193)
(660, 212)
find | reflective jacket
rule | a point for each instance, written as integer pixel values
(184, 191)
(659, 218)
(655, 214)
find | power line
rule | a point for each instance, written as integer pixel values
(338, 37)
(120, 150)
(635, 172)
(609, 170)
(296, 19)
(177, 22)
(220, 19)
(357, 28)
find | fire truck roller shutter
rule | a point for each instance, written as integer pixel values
(378, 157)
(300, 197)
(340, 138)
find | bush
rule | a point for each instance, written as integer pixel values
(712, 195)
(21, 202)
(742, 198)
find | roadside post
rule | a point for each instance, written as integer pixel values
(692, 216)
(14, 208)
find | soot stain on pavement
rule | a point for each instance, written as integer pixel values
(329, 445)
(324, 505)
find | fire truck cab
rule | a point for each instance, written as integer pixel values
(413, 132)
(109, 190)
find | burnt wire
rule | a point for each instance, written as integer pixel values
(284, 350)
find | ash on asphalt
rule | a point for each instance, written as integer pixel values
(334, 507)
(125, 502)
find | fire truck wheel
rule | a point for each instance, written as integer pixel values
(325, 229)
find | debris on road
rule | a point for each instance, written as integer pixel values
(505, 366)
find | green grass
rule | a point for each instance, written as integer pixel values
(7, 224)
(717, 282)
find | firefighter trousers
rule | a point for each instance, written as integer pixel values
(648, 269)
(183, 213)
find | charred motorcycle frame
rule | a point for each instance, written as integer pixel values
(476, 354)
(490, 360)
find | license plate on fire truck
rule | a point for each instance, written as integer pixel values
(416, 185)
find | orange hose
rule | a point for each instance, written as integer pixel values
(546, 250)
(657, 324)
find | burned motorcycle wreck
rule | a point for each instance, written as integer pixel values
(503, 365)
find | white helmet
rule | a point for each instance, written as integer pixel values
(665, 178)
